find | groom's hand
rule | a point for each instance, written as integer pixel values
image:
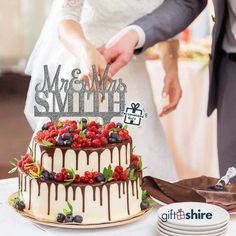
(118, 51)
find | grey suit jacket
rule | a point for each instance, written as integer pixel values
(172, 17)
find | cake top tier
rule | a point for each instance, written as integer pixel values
(82, 134)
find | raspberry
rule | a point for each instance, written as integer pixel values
(88, 174)
(120, 133)
(134, 158)
(124, 175)
(63, 131)
(116, 176)
(50, 123)
(28, 160)
(77, 131)
(105, 132)
(34, 169)
(95, 174)
(51, 140)
(92, 123)
(77, 178)
(59, 177)
(119, 169)
(94, 129)
(20, 164)
(66, 176)
(53, 133)
(52, 128)
(63, 170)
(104, 141)
(26, 156)
(91, 181)
(90, 135)
(110, 125)
(96, 143)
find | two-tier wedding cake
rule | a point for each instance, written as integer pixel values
(81, 172)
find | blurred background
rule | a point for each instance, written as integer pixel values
(190, 134)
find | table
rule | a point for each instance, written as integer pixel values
(190, 134)
(12, 224)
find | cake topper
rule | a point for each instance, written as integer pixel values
(59, 97)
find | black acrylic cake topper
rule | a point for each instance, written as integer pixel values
(63, 106)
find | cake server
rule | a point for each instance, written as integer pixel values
(231, 172)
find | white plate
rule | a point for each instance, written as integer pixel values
(219, 215)
(191, 228)
(191, 232)
(166, 232)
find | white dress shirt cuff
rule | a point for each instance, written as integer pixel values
(141, 35)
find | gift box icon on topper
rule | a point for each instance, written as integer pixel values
(133, 115)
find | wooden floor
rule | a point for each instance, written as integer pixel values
(15, 132)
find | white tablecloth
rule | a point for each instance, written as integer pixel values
(11, 224)
(190, 134)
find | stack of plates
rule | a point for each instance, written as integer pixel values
(192, 218)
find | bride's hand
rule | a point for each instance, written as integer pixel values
(90, 56)
(172, 90)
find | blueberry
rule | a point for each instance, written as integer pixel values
(52, 175)
(113, 135)
(85, 131)
(20, 205)
(84, 126)
(45, 126)
(67, 142)
(84, 120)
(60, 143)
(119, 139)
(60, 217)
(144, 205)
(78, 219)
(45, 175)
(111, 140)
(119, 125)
(66, 136)
(69, 218)
(100, 178)
(71, 130)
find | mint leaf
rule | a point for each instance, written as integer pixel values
(144, 195)
(48, 144)
(114, 129)
(66, 212)
(125, 126)
(70, 206)
(140, 164)
(82, 134)
(107, 172)
(71, 173)
(132, 177)
(80, 125)
(59, 124)
(14, 200)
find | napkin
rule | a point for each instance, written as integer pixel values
(182, 191)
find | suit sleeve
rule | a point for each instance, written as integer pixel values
(169, 19)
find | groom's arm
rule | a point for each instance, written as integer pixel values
(170, 18)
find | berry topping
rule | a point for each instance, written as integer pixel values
(144, 205)
(116, 176)
(111, 140)
(59, 177)
(45, 175)
(69, 218)
(119, 125)
(66, 136)
(60, 217)
(20, 205)
(78, 219)
(119, 169)
(100, 178)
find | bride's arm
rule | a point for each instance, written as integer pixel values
(168, 51)
(72, 37)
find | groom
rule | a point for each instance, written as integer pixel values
(165, 22)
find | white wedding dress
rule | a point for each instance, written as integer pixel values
(100, 20)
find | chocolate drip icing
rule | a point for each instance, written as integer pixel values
(109, 202)
(56, 194)
(67, 189)
(30, 190)
(127, 196)
(74, 192)
(39, 187)
(94, 193)
(49, 191)
(119, 190)
(132, 185)
(21, 183)
(25, 183)
(100, 191)
(51, 150)
(123, 185)
(83, 198)
(137, 192)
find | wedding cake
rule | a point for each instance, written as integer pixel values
(81, 172)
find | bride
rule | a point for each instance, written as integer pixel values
(72, 34)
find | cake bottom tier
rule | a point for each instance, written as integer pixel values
(97, 203)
